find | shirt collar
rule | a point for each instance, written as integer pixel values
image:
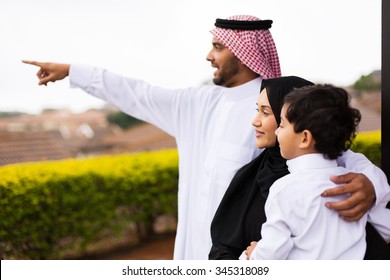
(243, 91)
(310, 161)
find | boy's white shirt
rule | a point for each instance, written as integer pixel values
(297, 209)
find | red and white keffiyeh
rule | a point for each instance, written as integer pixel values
(255, 48)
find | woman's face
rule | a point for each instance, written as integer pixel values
(264, 122)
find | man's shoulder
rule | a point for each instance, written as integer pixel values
(207, 89)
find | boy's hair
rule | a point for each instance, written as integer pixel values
(325, 111)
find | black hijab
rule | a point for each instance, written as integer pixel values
(240, 215)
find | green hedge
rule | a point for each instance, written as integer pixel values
(49, 207)
(369, 144)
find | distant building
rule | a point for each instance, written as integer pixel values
(55, 135)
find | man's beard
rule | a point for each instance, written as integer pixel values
(227, 73)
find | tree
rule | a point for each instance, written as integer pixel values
(122, 120)
(371, 82)
(10, 114)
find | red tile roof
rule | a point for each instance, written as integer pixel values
(32, 146)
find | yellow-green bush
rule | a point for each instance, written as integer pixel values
(48, 207)
(369, 144)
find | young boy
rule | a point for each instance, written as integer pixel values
(317, 125)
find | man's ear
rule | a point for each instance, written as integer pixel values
(307, 140)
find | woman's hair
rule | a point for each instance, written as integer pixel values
(325, 111)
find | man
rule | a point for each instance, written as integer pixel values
(211, 124)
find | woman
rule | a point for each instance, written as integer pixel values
(240, 215)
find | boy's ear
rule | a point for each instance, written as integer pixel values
(307, 140)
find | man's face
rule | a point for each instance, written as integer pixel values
(227, 65)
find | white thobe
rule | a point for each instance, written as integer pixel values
(214, 136)
(299, 226)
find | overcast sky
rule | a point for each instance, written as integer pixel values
(165, 42)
